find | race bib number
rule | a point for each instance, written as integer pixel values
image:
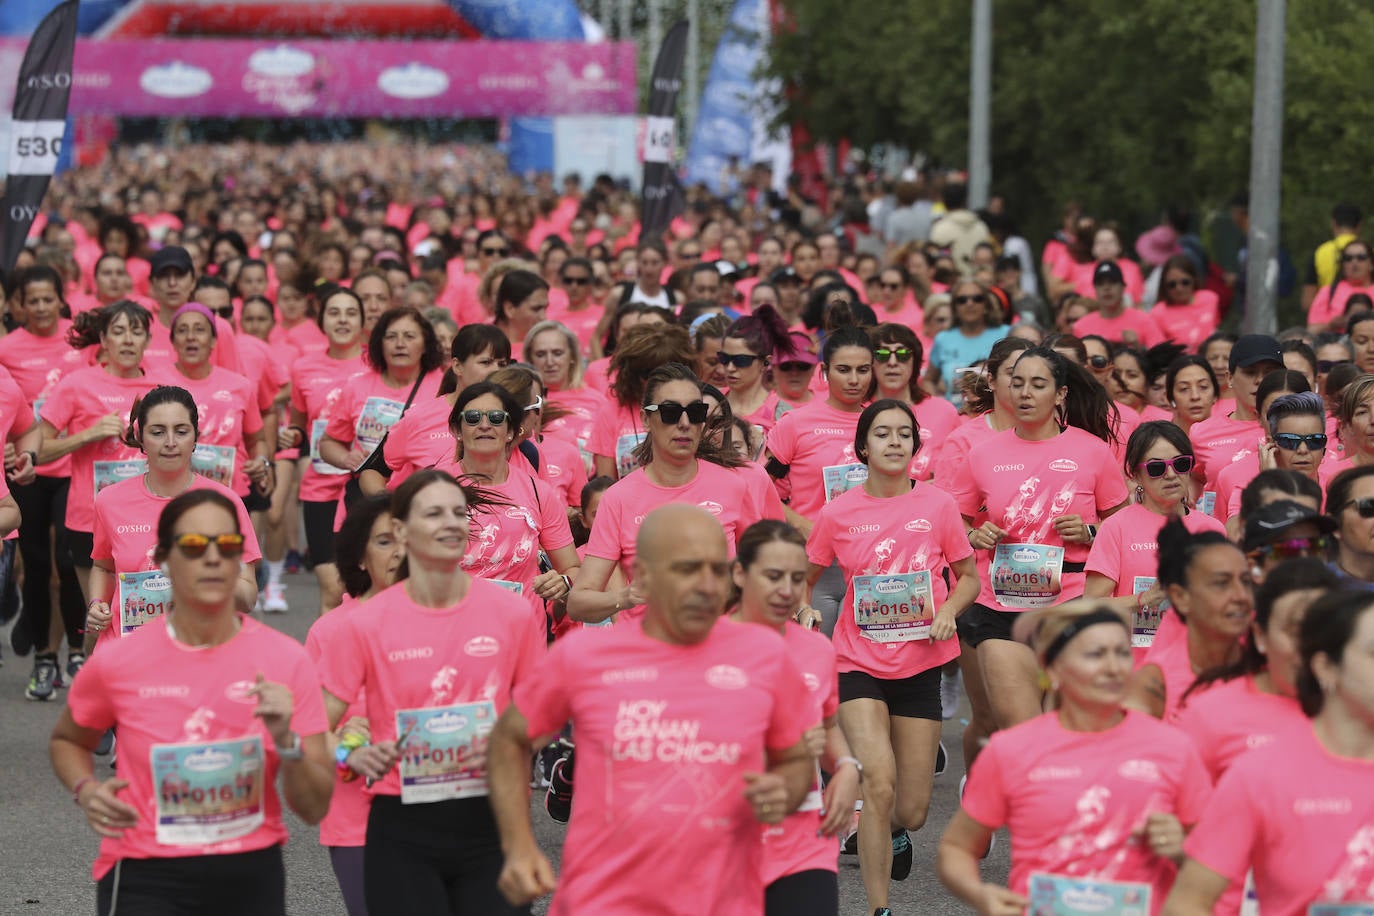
(444, 751)
(142, 596)
(625, 461)
(517, 587)
(1027, 575)
(841, 478)
(106, 473)
(318, 464)
(378, 416)
(1146, 619)
(215, 462)
(208, 792)
(894, 608)
(1058, 895)
(1207, 503)
(1339, 909)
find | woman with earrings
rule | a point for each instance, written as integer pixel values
(1040, 490)
(1294, 422)
(618, 429)
(891, 537)
(220, 721)
(677, 462)
(1090, 792)
(747, 351)
(164, 425)
(1207, 581)
(1298, 812)
(1121, 566)
(897, 358)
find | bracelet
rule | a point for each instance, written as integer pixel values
(347, 745)
(841, 761)
(33, 456)
(76, 789)
(567, 582)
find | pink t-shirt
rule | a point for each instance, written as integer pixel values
(582, 322)
(737, 497)
(160, 693)
(1074, 802)
(161, 354)
(809, 439)
(421, 438)
(1026, 485)
(38, 364)
(954, 451)
(1131, 319)
(597, 375)
(872, 536)
(1082, 277)
(409, 657)
(796, 845)
(228, 408)
(665, 734)
(504, 541)
(1188, 324)
(369, 407)
(317, 383)
(77, 402)
(1175, 664)
(616, 431)
(583, 404)
(268, 366)
(1220, 440)
(937, 419)
(1327, 306)
(1234, 478)
(560, 463)
(305, 336)
(1301, 818)
(346, 822)
(1236, 717)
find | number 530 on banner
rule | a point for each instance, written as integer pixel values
(35, 146)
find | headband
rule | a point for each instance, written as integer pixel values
(199, 309)
(1066, 635)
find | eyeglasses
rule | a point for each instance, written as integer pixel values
(794, 367)
(1292, 441)
(495, 252)
(739, 361)
(194, 545)
(1099, 362)
(889, 285)
(1156, 468)
(1326, 365)
(1175, 284)
(961, 300)
(1363, 506)
(903, 354)
(1293, 547)
(1356, 256)
(576, 281)
(494, 417)
(671, 412)
(537, 406)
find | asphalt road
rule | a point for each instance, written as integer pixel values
(46, 850)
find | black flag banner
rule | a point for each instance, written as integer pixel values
(40, 119)
(661, 193)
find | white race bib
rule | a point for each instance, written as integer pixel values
(207, 792)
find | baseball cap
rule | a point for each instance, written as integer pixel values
(171, 256)
(1255, 348)
(786, 273)
(801, 352)
(727, 269)
(1107, 272)
(1270, 523)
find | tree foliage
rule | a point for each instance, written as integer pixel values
(1124, 105)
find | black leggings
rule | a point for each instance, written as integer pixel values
(43, 505)
(347, 862)
(805, 893)
(242, 884)
(443, 857)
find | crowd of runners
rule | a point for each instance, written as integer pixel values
(706, 533)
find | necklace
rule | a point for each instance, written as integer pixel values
(171, 631)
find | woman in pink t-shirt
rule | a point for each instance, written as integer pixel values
(1093, 795)
(897, 369)
(211, 707)
(792, 377)
(1192, 388)
(1207, 581)
(800, 854)
(1121, 566)
(678, 463)
(1045, 485)
(124, 576)
(747, 352)
(521, 301)
(1299, 813)
(1185, 313)
(369, 556)
(1327, 311)
(318, 381)
(552, 349)
(618, 428)
(432, 660)
(892, 539)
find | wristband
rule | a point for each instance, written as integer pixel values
(347, 745)
(33, 456)
(76, 789)
(1092, 532)
(854, 760)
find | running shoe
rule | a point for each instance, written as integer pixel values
(882, 911)
(901, 855)
(44, 679)
(949, 693)
(74, 662)
(275, 601)
(850, 846)
(107, 744)
(558, 801)
(941, 759)
(294, 562)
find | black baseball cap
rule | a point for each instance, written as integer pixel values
(785, 274)
(1108, 272)
(1271, 522)
(1255, 348)
(168, 257)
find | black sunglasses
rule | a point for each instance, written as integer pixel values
(1155, 468)
(671, 412)
(1292, 441)
(1363, 506)
(961, 300)
(576, 281)
(1326, 365)
(194, 545)
(496, 252)
(890, 285)
(794, 366)
(1099, 362)
(1175, 284)
(494, 417)
(903, 354)
(740, 360)
(1357, 256)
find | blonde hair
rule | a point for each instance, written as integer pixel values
(491, 280)
(575, 375)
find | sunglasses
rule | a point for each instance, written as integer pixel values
(962, 300)
(194, 545)
(495, 252)
(690, 255)
(494, 417)
(1099, 362)
(671, 412)
(1175, 284)
(890, 285)
(1155, 468)
(537, 406)
(576, 281)
(903, 354)
(739, 361)
(1293, 547)
(1363, 506)
(1357, 256)
(1326, 365)
(794, 367)
(1292, 441)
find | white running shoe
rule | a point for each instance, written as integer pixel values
(275, 600)
(950, 685)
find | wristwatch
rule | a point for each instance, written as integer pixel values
(292, 752)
